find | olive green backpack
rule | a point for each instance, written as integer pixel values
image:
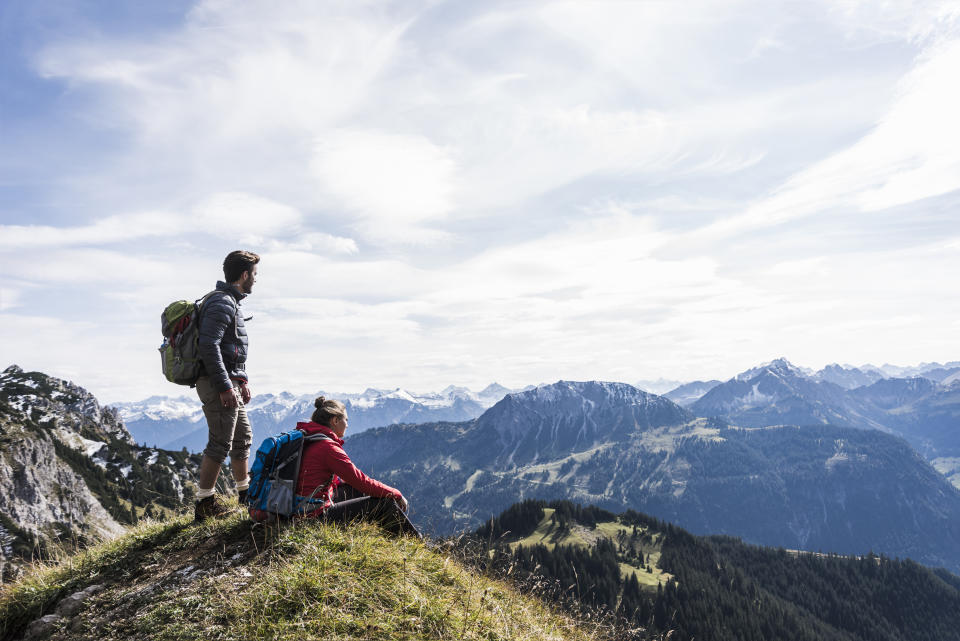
(180, 353)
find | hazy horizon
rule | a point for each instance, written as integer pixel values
(657, 386)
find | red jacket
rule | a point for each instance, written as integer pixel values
(323, 458)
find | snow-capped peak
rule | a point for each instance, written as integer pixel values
(779, 366)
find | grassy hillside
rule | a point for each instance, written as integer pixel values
(552, 533)
(230, 580)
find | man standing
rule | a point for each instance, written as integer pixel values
(222, 386)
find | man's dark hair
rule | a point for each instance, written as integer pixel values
(238, 262)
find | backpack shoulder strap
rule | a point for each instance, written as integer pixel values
(203, 300)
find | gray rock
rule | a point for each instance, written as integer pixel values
(70, 605)
(39, 490)
(42, 627)
(43, 490)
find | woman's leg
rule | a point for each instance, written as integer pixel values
(345, 492)
(384, 511)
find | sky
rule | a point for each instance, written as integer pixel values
(461, 192)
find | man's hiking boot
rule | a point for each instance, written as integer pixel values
(242, 498)
(211, 506)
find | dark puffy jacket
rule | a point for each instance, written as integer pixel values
(223, 338)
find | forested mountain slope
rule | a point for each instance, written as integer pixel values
(669, 582)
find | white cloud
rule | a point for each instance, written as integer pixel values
(315, 242)
(242, 218)
(920, 20)
(567, 299)
(88, 265)
(804, 267)
(234, 216)
(255, 221)
(229, 101)
(522, 179)
(246, 218)
(910, 155)
(238, 69)
(915, 146)
(291, 274)
(290, 99)
(106, 354)
(399, 178)
(9, 298)
(114, 229)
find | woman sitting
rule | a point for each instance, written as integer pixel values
(343, 491)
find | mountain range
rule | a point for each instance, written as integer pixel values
(177, 422)
(773, 455)
(846, 376)
(924, 411)
(811, 487)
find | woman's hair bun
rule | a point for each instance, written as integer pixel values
(319, 402)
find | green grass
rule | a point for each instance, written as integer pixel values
(307, 580)
(547, 534)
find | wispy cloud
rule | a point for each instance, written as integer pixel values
(89, 265)
(115, 229)
(9, 298)
(234, 217)
(392, 184)
(909, 155)
(515, 191)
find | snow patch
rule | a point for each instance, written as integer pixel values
(840, 455)
(403, 395)
(77, 442)
(756, 397)
(91, 447)
(21, 401)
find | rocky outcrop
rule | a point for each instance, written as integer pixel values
(46, 497)
(47, 400)
(70, 473)
(66, 608)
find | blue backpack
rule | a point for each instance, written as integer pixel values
(274, 475)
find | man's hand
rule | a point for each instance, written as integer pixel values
(244, 393)
(403, 503)
(228, 398)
